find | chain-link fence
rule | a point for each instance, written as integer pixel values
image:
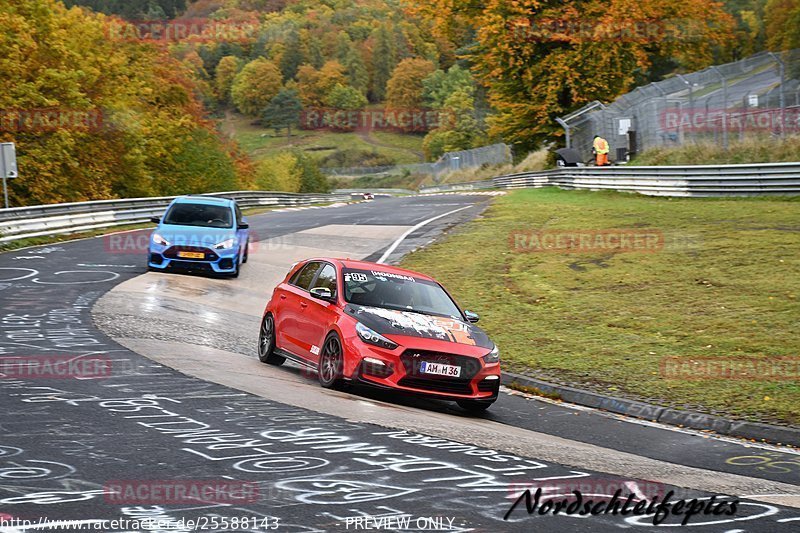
(494, 154)
(757, 96)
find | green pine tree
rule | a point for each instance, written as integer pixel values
(292, 56)
(356, 70)
(283, 111)
(384, 59)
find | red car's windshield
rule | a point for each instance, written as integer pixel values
(396, 291)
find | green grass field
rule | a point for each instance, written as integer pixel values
(262, 142)
(724, 286)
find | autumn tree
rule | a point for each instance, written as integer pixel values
(142, 131)
(541, 59)
(307, 86)
(131, 9)
(405, 87)
(227, 69)
(781, 21)
(345, 97)
(458, 128)
(290, 171)
(257, 83)
(314, 85)
(312, 49)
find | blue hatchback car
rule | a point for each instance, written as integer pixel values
(200, 234)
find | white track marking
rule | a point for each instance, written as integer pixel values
(402, 237)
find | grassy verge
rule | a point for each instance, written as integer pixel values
(749, 150)
(725, 286)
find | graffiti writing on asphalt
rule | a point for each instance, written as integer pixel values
(773, 462)
(301, 458)
(56, 329)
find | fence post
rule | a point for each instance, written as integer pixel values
(782, 70)
(566, 129)
(724, 81)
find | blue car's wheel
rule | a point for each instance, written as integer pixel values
(237, 267)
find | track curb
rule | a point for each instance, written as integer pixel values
(689, 419)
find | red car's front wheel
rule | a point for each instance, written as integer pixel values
(266, 343)
(331, 363)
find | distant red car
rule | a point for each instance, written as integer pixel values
(387, 327)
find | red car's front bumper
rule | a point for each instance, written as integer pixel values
(399, 369)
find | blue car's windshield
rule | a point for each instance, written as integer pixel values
(203, 215)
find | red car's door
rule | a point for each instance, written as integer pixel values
(288, 323)
(317, 315)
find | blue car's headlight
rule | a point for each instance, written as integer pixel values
(225, 245)
(158, 239)
(493, 356)
(372, 337)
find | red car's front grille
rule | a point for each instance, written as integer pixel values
(412, 359)
(448, 385)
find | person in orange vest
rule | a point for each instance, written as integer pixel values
(600, 150)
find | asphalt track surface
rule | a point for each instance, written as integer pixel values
(317, 462)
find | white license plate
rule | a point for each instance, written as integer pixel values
(440, 369)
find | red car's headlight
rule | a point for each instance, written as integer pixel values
(374, 338)
(493, 356)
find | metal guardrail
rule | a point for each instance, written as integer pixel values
(37, 221)
(374, 191)
(692, 181)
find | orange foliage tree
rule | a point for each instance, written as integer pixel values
(540, 59)
(404, 88)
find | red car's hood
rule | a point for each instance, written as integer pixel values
(423, 331)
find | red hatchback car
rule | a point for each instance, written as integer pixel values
(354, 321)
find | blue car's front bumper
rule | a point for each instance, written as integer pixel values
(214, 261)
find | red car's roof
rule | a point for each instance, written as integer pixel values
(366, 265)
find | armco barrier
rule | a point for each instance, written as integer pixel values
(373, 190)
(696, 180)
(36, 221)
